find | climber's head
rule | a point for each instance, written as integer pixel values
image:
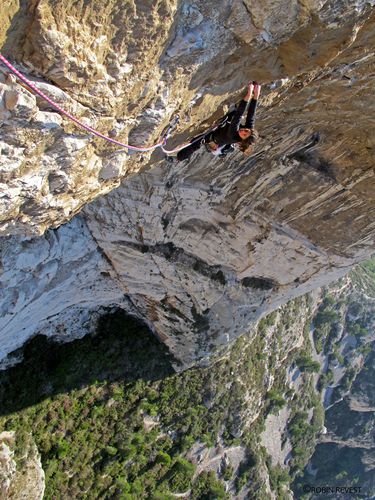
(244, 133)
(247, 143)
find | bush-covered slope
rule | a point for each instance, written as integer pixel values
(111, 419)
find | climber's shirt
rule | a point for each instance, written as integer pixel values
(225, 134)
(228, 134)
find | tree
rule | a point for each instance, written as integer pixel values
(306, 364)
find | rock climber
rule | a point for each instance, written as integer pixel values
(220, 140)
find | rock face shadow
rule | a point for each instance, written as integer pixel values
(122, 349)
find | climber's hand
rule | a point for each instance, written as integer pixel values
(249, 92)
(257, 88)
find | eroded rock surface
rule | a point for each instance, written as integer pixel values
(53, 284)
(7, 464)
(199, 250)
(21, 473)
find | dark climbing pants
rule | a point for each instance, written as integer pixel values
(192, 147)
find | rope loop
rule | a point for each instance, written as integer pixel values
(41, 94)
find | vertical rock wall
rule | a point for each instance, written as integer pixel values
(200, 250)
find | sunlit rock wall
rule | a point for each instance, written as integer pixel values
(200, 249)
(27, 480)
(56, 284)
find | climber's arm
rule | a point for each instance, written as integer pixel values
(250, 119)
(249, 93)
(236, 120)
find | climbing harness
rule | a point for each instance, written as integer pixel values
(41, 94)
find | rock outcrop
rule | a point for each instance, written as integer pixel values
(200, 250)
(7, 464)
(21, 473)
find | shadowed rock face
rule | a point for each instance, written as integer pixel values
(201, 249)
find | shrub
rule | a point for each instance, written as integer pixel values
(180, 475)
(228, 473)
(306, 364)
(111, 450)
(326, 316)
(276, 400)
(278, 477)
(163, 458)
(208, 486)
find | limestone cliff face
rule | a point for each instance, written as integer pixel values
(199, 250)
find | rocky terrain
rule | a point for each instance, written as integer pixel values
(21, 473)
(213, 256)
(347, 447)
(199, 251)
(110, 419)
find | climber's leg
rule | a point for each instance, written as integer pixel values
(196, 143)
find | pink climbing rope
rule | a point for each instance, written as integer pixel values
(81, 124)
(175, 150)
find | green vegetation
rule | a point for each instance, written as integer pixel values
(325, 379)
(112, 420)
(364, 276)
(279, 478)
(304, 425)
(276, 400)
(325, 328)
(336, 353)
(306, 364)
(354, 304)
(180, 475)
(302, 436)
(356, 329)
(208, 487)
(348, 378)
